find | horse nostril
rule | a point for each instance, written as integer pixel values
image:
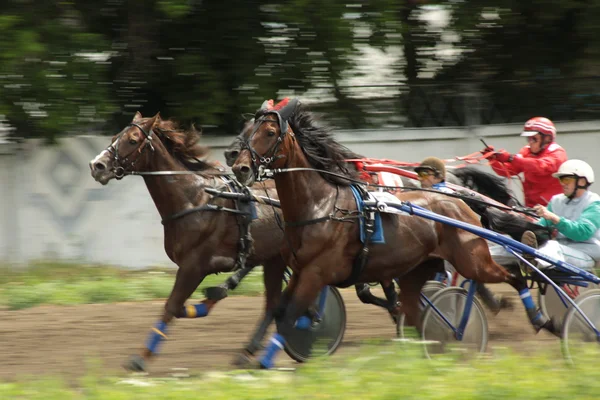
(245, 170)
(100, 166)
(234, 154)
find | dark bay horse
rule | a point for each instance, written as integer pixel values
(323, 244)
(202, 242)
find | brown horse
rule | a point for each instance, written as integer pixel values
(323, 246)
(200, 242)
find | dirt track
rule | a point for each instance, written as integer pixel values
(62, 340)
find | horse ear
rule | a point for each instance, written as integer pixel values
(137, 116)
(149, 124)
(287, 111)
(266, 105)
(157, 119)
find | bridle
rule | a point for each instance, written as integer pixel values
(123, 165)
(261, 162)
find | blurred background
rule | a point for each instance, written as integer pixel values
(397, 79)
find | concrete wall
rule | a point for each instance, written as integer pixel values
(52, 208)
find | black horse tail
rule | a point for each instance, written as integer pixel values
(487, 184)
(514, 225)
(504, 222)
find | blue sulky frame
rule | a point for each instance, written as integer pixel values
(578, 277)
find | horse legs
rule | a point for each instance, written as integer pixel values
(219, 292)
(186, 281)
(410, 289)
(363, 291)
(272, 277)
(535, 315)
(305, 290)
(474, 261)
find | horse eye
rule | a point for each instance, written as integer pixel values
(133, 142)
(271, 133)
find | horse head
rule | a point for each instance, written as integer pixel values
(262, 141)
(129, 150)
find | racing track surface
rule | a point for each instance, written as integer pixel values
(62, 341)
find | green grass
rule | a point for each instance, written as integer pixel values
(377, 372)
(71, 284)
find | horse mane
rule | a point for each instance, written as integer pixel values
(183, 145)
(488, 184)
(320, 148)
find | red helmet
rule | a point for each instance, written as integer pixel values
(539, 125)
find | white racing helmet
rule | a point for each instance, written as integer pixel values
(578, 168)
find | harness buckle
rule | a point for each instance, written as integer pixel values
(119, 173)
(261, 173)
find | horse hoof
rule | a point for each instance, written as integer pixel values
(135, 364)
(506, 304)
(242, 360)
(215, 293)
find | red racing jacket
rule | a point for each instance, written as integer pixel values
(538, 186)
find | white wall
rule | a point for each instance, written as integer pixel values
(52, 208)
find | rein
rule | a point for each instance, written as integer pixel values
(522, 210)
(163, 173)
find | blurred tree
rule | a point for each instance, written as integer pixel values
(48, 85)
(208, 62)
(526, 52)
(75, 63)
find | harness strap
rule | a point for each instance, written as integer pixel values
(360, 262)
(206, 207)
(308, 221)
(244, 219)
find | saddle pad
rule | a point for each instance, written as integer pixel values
(377, 236)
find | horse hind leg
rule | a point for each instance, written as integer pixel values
(363, 291)
(538, 320)
(473, 261)
(410, 289)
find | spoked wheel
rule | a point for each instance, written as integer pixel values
(324, 336)
(554, 307)
(578, 337)
(439, 337)
(429, 289)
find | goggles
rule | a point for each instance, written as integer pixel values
(565, 180)
(425, 174)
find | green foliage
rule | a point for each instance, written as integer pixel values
(175, 8)
(208, 62)
(72, 284)
(46, 86)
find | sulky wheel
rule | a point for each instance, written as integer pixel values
(429, 289)
(323, 337)
(578, 337)
(553, 306)
(438, 336)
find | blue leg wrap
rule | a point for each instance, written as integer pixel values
(303, 323)
(526, 299)
(195, 311)
(275, 344)
(157, 335)
(535, 316)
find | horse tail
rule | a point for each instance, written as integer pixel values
(488, 184)
(513, 225)
(501, 221)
